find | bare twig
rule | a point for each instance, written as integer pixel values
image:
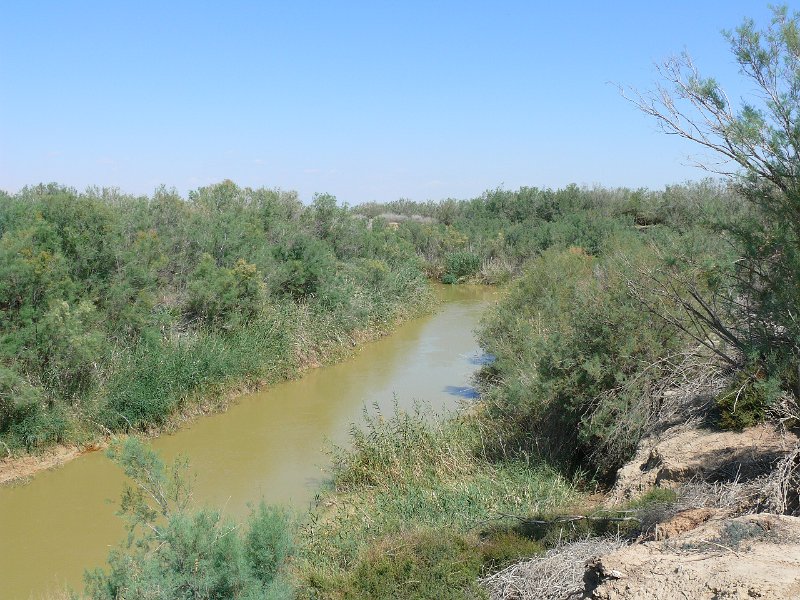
(555, 576)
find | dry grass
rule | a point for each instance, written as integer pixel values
(774, 492)
(781, 490)
(556, 575)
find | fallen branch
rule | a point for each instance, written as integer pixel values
(556, 575)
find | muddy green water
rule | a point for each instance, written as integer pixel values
(268, 444)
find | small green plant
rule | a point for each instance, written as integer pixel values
(746, 401)
(173, 552)
(734, 533)
(657, 495)
(431, 565)
(502, 546)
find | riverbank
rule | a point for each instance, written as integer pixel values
(267, 444)
(416, 509)
(708, 510)
(15, 469)
(419, 508)
(306, 354)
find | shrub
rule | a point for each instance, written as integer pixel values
(174, 553)
(745, 402)
(16, 395)
(460, 265)
(306, 263)
(435, 565)
(217, 295)
(268, 542)
(576, 355)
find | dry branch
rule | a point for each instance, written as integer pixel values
(556, 575)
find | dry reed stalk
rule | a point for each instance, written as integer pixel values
(781, 492)
(556, 575)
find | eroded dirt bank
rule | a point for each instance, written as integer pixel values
(730, 533)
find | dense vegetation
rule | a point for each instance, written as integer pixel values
(617, 298)
(116, 312)
(581, 364)
(585, 342)
(624, 298)
(173, 551)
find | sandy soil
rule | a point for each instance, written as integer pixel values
(684, 453)
(752, 556)
(20, 468)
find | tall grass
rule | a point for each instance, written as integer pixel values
(409, 478)
(161, 377)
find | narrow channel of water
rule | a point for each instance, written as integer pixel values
(268, 445)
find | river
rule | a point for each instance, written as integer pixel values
(268, 444)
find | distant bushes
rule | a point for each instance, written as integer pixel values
(116, 311)
(509, 227)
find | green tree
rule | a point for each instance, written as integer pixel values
(219, 296)
(753, 301)
(576, 358)
(64, 349)
(306, 265)
(175, 553)
(132, 293)
(32, 271)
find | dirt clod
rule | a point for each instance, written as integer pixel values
(752, 556)
(684, 453)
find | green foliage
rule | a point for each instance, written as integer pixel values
(67, 344)
(575, 354)
(32, 272)
(756, 310)
(434, 565)
(419, 478)
(733, 533)
(220, 296)
(306, 265)
(655, 496)
(173, 552)
(749, 396)
(131, 298)
(159, 375)
(119, 310)
(16, 395)
(505, 228)
(24, 419)
(268, 543)
(460, 265)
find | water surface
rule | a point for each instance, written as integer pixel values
(269, 444)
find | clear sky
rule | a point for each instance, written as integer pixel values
(364, 100)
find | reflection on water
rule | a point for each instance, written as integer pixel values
(482, 358)
(465, 391)
(268, 445)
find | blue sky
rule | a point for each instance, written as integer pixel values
(363, 100)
